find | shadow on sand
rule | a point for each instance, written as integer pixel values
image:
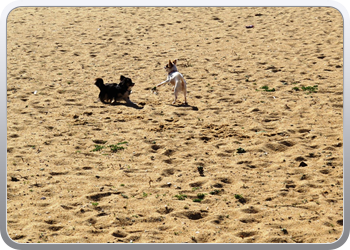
(185, 105)
(132, 105)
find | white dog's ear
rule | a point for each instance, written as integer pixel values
(175, 61)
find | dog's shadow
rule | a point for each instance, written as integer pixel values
(132, 105)
(185, 105)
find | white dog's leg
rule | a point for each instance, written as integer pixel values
(175, 98)
(184, 89)
(176, 91)
(160, 84)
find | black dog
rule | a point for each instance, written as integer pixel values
(112, 92)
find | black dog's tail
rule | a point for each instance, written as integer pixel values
(99, 83)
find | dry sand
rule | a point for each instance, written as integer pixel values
(286, 187)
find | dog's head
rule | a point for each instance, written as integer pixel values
(99, 83)
(126, 83)
(171, 66)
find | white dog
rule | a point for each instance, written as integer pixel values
(176, 79)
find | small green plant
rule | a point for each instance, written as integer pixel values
(144, 194)
(267, 89)
(240, 198)
(97, 148)
(125, 196)
(240, 150)
(181, 196)
(95, 204)
(296, 88)
(195, 188)
(201, 195)
(216, 191)
(115, 148)
(311, 89)
(122, 185)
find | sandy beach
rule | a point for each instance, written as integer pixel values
(255, 157)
